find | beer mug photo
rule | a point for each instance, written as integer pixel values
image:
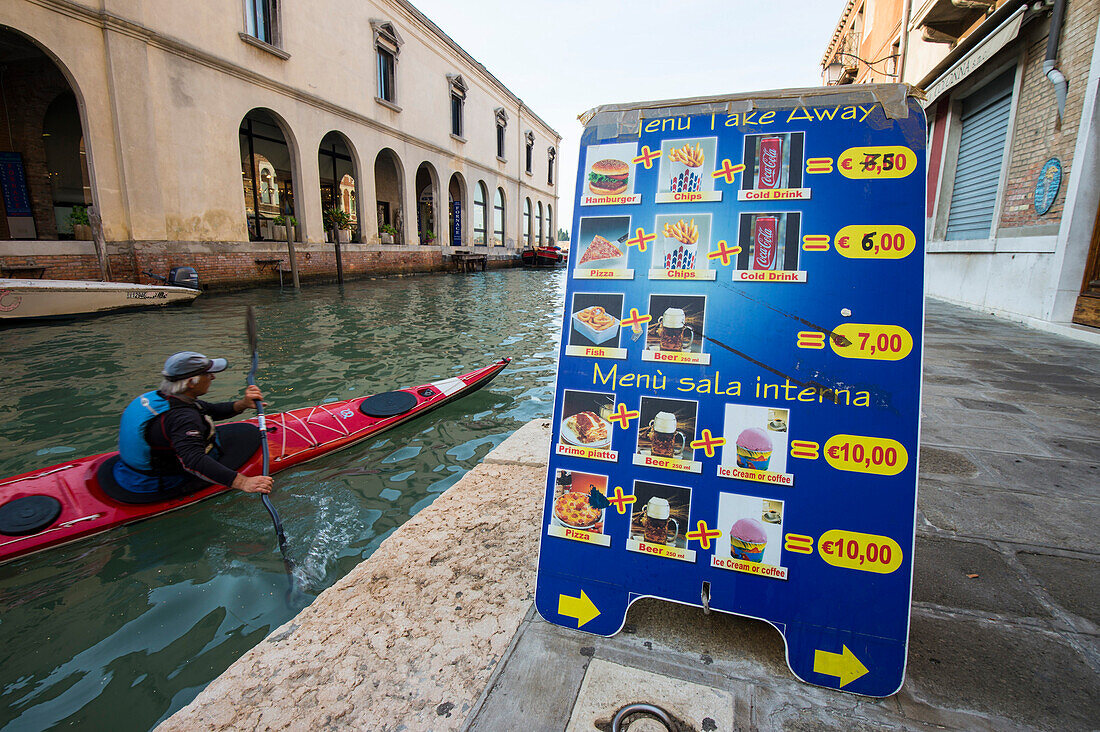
(673, 331)
(656, 518)
(665, 439)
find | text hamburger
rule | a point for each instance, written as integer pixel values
(608, 177)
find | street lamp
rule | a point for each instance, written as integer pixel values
(837, 69)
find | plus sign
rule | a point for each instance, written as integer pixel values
(623, 417)
(728, 170)
(703, 535)
(647, 157)
(636, 319)
(708, 443)
(724, 252)
(621, 500)
(640, 240)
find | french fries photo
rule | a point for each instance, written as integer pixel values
(682, 231)
(688, 155)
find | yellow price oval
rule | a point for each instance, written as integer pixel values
(860, 454)
(872, 342)
(864, 241)
(884, 161)
(865, 552)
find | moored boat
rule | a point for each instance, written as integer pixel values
(39, 299)
(550, 255)
(73, 500)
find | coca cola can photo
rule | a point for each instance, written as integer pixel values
(769, 163)
(765, 239)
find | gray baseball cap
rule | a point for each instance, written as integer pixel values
(185, 364)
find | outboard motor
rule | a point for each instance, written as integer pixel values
(184, 277)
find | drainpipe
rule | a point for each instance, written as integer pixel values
(903, 50)
(1049, 62)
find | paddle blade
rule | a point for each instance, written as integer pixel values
(250, 325)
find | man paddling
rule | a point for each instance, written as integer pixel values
(167, 442)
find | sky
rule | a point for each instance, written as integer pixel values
(565, 57)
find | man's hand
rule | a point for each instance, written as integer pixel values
(253, 483)
(251, 395)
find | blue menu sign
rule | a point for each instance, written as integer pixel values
(738, 394)
(13, 184)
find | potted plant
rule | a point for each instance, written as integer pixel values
(340, 220)
(279, 224)
(387, 233)
(429, 236)
(82, 227)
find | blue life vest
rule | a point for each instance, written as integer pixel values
(133, 448)
(134, 470)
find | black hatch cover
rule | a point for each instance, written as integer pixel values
(28, 515)
(388, 404)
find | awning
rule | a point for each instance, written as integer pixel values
(982, 52)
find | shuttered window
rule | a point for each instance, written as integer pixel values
(981, 150)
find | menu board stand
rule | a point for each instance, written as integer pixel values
(737, 407)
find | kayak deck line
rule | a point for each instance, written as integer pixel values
(59, 527)
(308, 433)
(51, 471)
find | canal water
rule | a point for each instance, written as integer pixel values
(119, 631)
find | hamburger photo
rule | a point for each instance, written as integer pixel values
(608, 177)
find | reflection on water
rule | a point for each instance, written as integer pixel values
(118, 631)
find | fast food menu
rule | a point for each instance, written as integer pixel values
(738, 393)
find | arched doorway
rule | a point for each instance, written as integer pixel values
(388, 189)
(267, 169)
(426, 223)
(540, 239)
(43, 167)
(456, 197)
(338, 173)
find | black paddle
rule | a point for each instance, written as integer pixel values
(253, 343)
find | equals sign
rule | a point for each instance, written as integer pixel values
(811, 339)
(815, 243)
(799, 543)
(804, 449)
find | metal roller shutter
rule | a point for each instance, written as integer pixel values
(981, 149)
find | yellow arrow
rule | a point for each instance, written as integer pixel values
(843, 665)
(580, 608)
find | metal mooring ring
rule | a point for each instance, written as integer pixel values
(649, 709)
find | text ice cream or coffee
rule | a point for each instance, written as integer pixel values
(754, 449)
(748, 540)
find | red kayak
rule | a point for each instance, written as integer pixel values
(70, 501)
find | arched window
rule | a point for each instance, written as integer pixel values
(540, 238)
(498, 218)
(479, 214)
(527, 222)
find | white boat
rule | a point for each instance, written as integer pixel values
(28, 299)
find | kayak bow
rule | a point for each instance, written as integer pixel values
(64, 503)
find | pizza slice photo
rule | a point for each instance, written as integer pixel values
(598, 249)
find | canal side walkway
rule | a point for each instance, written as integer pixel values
(436, 630)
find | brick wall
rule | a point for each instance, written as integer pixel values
(1035, 136)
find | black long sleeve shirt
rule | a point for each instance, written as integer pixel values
(182, 437)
